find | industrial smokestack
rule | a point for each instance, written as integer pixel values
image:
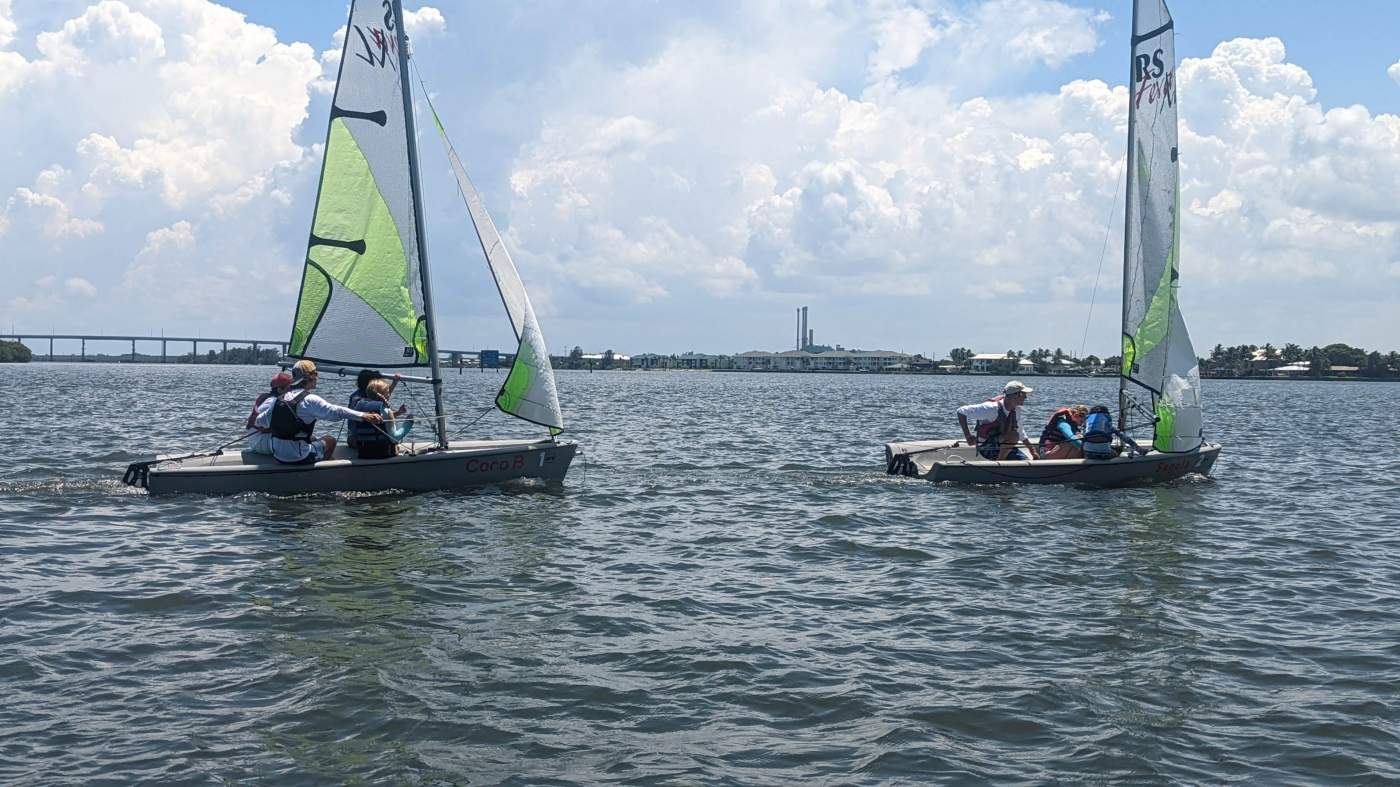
(799, 328)
(811, 337)
(801, 337)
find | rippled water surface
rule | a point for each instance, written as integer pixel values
(726, 590)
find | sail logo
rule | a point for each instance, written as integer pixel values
(380, 47)
(1154, 81)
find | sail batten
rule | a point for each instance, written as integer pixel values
(1159, 378)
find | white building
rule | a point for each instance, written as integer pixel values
(830, 361)
(1000, 363)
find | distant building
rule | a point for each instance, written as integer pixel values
(1000, 363)
(595, 361)
(651, 361)
(691, 360)
(832, 361)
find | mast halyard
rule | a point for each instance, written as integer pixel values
(410, 132)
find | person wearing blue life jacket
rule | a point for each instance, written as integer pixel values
(1099, 432)
(379, 441)
(997, 421)
(362, 380)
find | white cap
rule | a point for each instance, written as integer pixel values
(1016, 386)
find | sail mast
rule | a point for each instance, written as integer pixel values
(1127, 218)
(420, 238)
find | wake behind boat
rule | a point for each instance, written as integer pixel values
(366, 301)
(1159, 383)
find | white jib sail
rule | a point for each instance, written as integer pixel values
(529, 391)
(1160, 380)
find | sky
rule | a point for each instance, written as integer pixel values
(922, 174)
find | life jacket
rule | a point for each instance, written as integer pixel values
(366, 434)
(990, 432)
(286, 425)
(253, 416)
(1098, 433)
(351, 438)
(1050, 436)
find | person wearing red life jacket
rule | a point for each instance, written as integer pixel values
(998, 424)
(1061, 439)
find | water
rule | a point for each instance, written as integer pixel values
(726, 590)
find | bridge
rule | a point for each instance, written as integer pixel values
(453, 357)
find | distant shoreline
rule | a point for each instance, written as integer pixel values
(118, 360)
(1323, 379)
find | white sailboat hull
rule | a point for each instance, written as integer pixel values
(955, 461)
(464, 463)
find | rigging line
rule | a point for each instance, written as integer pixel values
(474, 421)
(1108, 231)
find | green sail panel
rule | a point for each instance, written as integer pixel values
(529, 391)
(361, 301)
(1160, 382)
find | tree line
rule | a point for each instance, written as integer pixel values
(14, 352)
(1252, 360)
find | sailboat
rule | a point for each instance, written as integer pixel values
(366, 299)
(1159, 386)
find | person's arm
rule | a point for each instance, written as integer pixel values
(322, 410)
(967, 433)
(1067, 432)
(972, 413)
(263, 415)
(1025, 439)
(1129, 441)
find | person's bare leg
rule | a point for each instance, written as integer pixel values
(330, 446)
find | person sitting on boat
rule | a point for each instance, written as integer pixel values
(1099, 432)
(998, 424)
(1060, 439)
(260, 441)
(379, 441)
(362, 381)
(295, 414)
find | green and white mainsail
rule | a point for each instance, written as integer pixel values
(362, 300)
(529, 391)
(1160, 381)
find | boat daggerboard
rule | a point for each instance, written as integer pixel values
(361, 301)
(1160, 381)
(529, 390)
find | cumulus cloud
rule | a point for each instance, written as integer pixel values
(872, 157)
(7, 23)
(108, 32)
(904, 190)
(80, 286)
(139, 114)
(1394, 71)
(426, 21)
(44, 206)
